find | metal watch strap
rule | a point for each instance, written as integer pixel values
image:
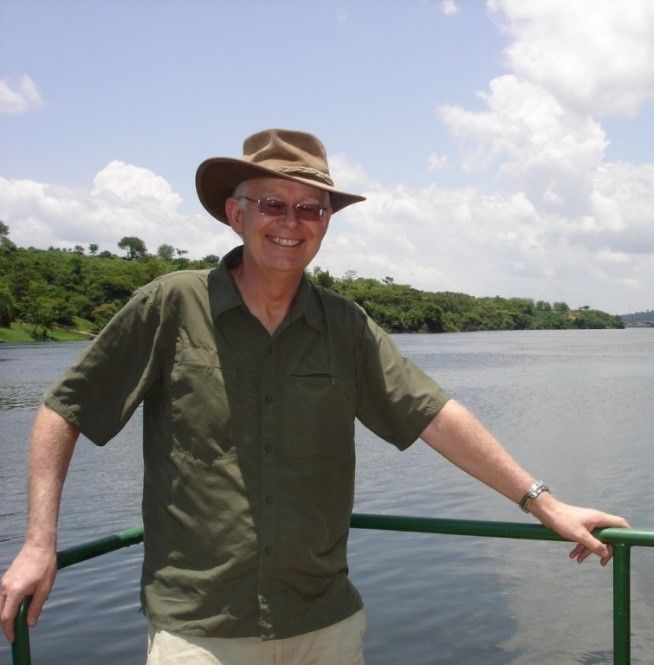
(535, 490)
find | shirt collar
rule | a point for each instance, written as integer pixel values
(224, 295)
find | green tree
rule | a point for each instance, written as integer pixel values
(5, 244)
(6, 305)
(134, 247)
(165, 252)
(322, 278)
(103, 313)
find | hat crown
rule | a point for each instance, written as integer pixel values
(289, 153)
(271, 153)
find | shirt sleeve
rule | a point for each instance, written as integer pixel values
(115, 372)
(395, 398)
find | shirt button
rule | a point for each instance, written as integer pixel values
(268, 399)
(268, 448)
(267, 549)
(268, 499)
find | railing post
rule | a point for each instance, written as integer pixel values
(621, 604)
(20, 648)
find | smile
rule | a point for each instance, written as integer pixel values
(284, 242)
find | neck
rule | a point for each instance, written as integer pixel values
(268, 297)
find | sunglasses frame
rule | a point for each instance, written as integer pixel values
(299, 209)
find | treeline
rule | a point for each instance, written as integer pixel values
(401, 308)
(79, 288)
(82, 288)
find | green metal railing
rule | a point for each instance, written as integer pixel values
(622, 541)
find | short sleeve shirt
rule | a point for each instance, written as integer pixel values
(248, 445)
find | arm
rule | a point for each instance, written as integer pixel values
(35, 566)
(457, 435)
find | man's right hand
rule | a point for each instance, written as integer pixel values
(34, 569)
(32, 573)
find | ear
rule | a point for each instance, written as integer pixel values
(234, 212)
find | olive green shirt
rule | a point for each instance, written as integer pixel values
(248, 445)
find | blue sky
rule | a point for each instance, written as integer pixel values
(505, 147)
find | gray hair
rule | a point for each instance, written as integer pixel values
(242, 189)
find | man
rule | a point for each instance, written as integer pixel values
(251, 379)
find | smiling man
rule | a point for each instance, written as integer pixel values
(251, 379)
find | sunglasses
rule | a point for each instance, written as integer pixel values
(304, 212)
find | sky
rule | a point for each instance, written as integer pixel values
(504, 147)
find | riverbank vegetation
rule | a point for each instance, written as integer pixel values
(72, 294)
(401, 308)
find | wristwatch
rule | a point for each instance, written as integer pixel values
(535, 490)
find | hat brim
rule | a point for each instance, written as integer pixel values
(216, 179)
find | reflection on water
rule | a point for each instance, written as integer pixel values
(20, 397)
(573, 406)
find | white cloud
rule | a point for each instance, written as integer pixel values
(349, 177)
(125, 200)
(596, 56)
(501, 243)
(536, 144)
(622, 208)
(553, 219)
(20, 98)
(449, 7)
(132, 184)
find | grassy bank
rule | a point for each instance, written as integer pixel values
(21, 333)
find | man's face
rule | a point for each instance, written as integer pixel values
(277, 244)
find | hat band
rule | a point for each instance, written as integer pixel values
(306, 172)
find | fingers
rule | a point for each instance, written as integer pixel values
(32, 573)
(605, 560)
(587, 544)
(36, 605)
(607, 520)
(10, 604)
(581, 553)
(8, 611)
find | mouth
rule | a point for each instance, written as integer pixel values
(284, 242)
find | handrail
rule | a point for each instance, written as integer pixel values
(621, 539)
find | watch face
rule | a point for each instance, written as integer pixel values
(535, 490)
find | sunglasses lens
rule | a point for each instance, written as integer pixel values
(273, 208)
(309, 212)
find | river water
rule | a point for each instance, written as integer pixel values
(575, 407)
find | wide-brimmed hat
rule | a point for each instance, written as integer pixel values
(277, 153)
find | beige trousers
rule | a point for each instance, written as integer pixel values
(339, 644)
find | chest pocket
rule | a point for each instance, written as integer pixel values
(206, 405)
(320, 410)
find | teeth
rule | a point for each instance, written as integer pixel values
(284, 242)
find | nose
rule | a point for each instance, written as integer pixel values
(290, 218)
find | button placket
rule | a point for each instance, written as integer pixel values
(269, 433)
